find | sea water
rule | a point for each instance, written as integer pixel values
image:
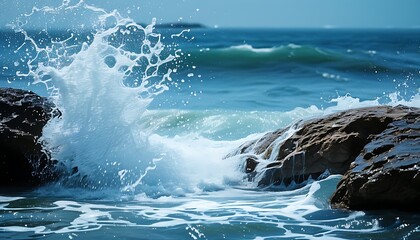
(149, 114)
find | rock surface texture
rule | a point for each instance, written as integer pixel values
(383, 142)
(23, 114)
(386, 174)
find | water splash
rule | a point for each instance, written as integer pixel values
(102, 82)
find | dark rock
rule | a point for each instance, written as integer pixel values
(23, 115)
(312, 148)
(386, 174)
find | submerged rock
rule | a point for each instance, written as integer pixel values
(384, 141)
(386, 174)
(23, 115)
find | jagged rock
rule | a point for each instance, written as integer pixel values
(386, 174)
(327, 144)
(23, 114)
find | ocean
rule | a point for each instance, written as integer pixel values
(149, 113)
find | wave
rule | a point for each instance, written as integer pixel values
(190, 143)
(231, 125)
(246, 56)
(220, 124)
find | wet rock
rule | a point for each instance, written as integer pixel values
(386, 174)
(309, 149)
(23, 115)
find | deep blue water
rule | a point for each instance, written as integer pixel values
(156, 169)
(276, 69)
(254, 69)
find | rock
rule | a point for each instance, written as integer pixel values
(386, 174)
(308, 149)
(23, 115)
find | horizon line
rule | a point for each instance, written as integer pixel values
(197, 25)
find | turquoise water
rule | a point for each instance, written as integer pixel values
(150, 113)
(224, 214)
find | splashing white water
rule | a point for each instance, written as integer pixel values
(102, 82)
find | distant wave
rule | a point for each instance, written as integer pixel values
(246, 56)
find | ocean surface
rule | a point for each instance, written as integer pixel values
(149, 114)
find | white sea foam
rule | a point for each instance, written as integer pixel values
(247, 47)
(278, 214)
(9, 199)
(250, 48)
